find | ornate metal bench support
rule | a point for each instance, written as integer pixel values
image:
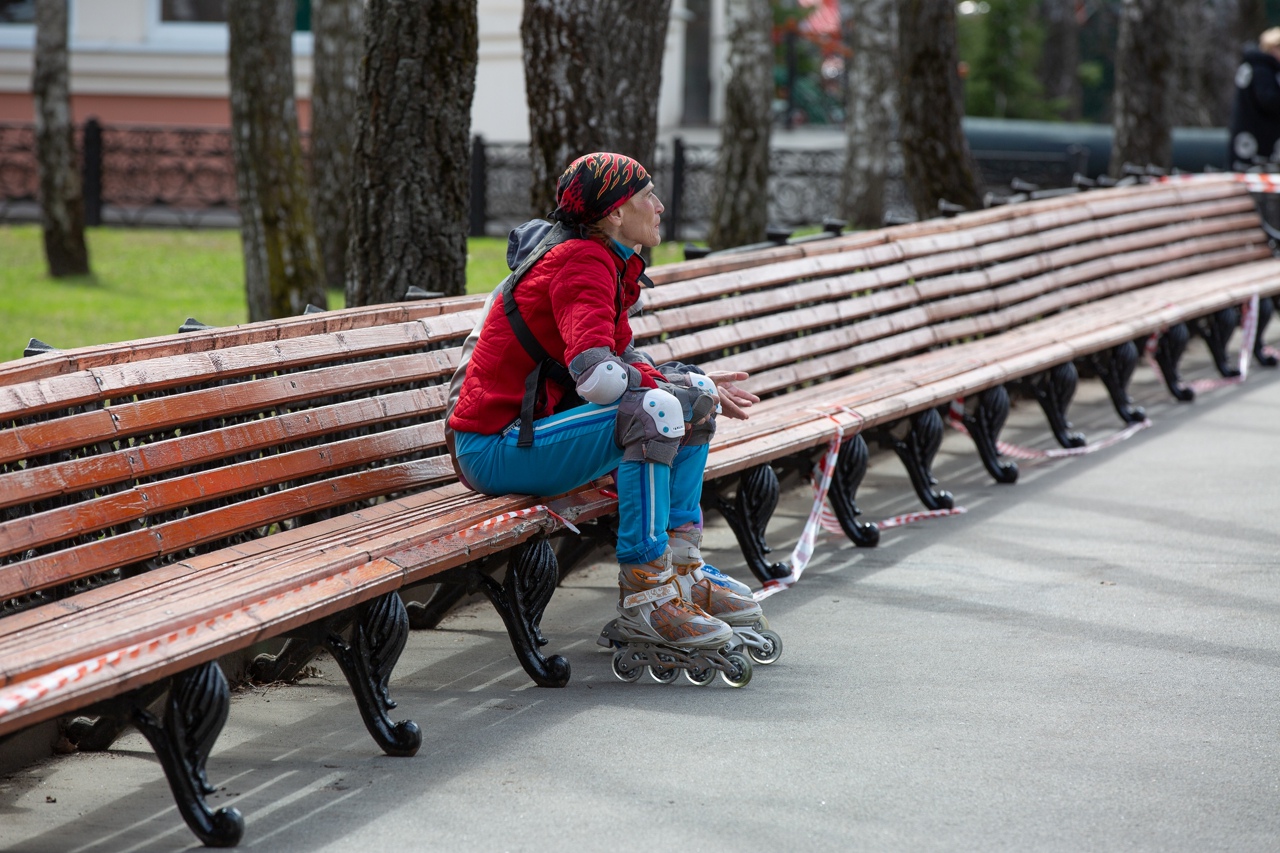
(851, 467)
(1115, 368)
(194, 713)
(1169, 349)
(748, 514)
(1216, 329)
(287, 664)
(984, 417)
(1266, 307)
(521, 599)
(916, 441)
(379, 631)
(1054, 388)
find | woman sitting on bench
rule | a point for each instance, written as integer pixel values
(550, 395)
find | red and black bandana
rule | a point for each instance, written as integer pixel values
(595, 185)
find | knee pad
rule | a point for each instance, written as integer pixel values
(650, 425)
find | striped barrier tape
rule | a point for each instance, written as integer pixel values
(1249, 336)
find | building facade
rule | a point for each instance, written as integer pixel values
(165, 62)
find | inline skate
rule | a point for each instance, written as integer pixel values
(721, 596)
(658, 630)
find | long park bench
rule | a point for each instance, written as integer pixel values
(872, 333)
(170, 501)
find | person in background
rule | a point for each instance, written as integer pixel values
(1255, 113)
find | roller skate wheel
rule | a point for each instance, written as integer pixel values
(624, 667)
(701, 676)
(739, 672)
(772, 649)
(664, 674)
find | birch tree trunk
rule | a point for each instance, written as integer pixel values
(338, 29)
(412, 158)
(740, 206)
(592, 72)
(937, 163)
(871, 110)
(1145, 75)
(281, 262)
(1060, 57)
(61, 195)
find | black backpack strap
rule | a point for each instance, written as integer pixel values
(546, 367)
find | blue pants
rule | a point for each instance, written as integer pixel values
(574, 448)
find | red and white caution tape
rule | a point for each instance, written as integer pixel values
(822, 518)
(1255, 182)
(1249, 335)
(831, 524)
(489, 523)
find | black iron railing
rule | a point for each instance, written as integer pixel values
(186, 176)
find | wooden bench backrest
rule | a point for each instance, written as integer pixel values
(887, 295)
(134, 463)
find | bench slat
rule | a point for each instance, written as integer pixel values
(27, 485)
(148, 416)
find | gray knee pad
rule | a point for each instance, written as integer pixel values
(650, 425)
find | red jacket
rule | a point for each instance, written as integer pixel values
(575, 298)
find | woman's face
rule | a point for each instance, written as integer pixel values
(641, 218)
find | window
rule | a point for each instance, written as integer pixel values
(17, 11)
(193, 11)
(215, 12)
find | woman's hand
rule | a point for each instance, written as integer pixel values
(734, 401)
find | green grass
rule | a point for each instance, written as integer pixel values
(147, 282)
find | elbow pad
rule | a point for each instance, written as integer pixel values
(601, 377)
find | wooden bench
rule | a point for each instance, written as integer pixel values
(166, 502)
(871, 333)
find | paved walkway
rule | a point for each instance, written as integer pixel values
(1088, 660)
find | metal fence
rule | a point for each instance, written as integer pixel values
(141, 175)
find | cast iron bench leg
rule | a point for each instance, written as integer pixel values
(917, 447)
(984, 417)
(1055, 388)
(1216, 330)
(379, 631)
(194, 714)
(1169, 349)
(1115, 368)
(748, 514)
(1266, 307)
(851, 467)
(521, 599)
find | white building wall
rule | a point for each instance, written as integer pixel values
(120, 47)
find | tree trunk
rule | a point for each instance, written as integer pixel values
(61, 196)
(412, 158)
(871, 110)
(281, 262)
(740, 208)
(592, 72)
(1060, 57)
(1145, 72)
(338, 29)
(1205, 60)
(937, 163)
